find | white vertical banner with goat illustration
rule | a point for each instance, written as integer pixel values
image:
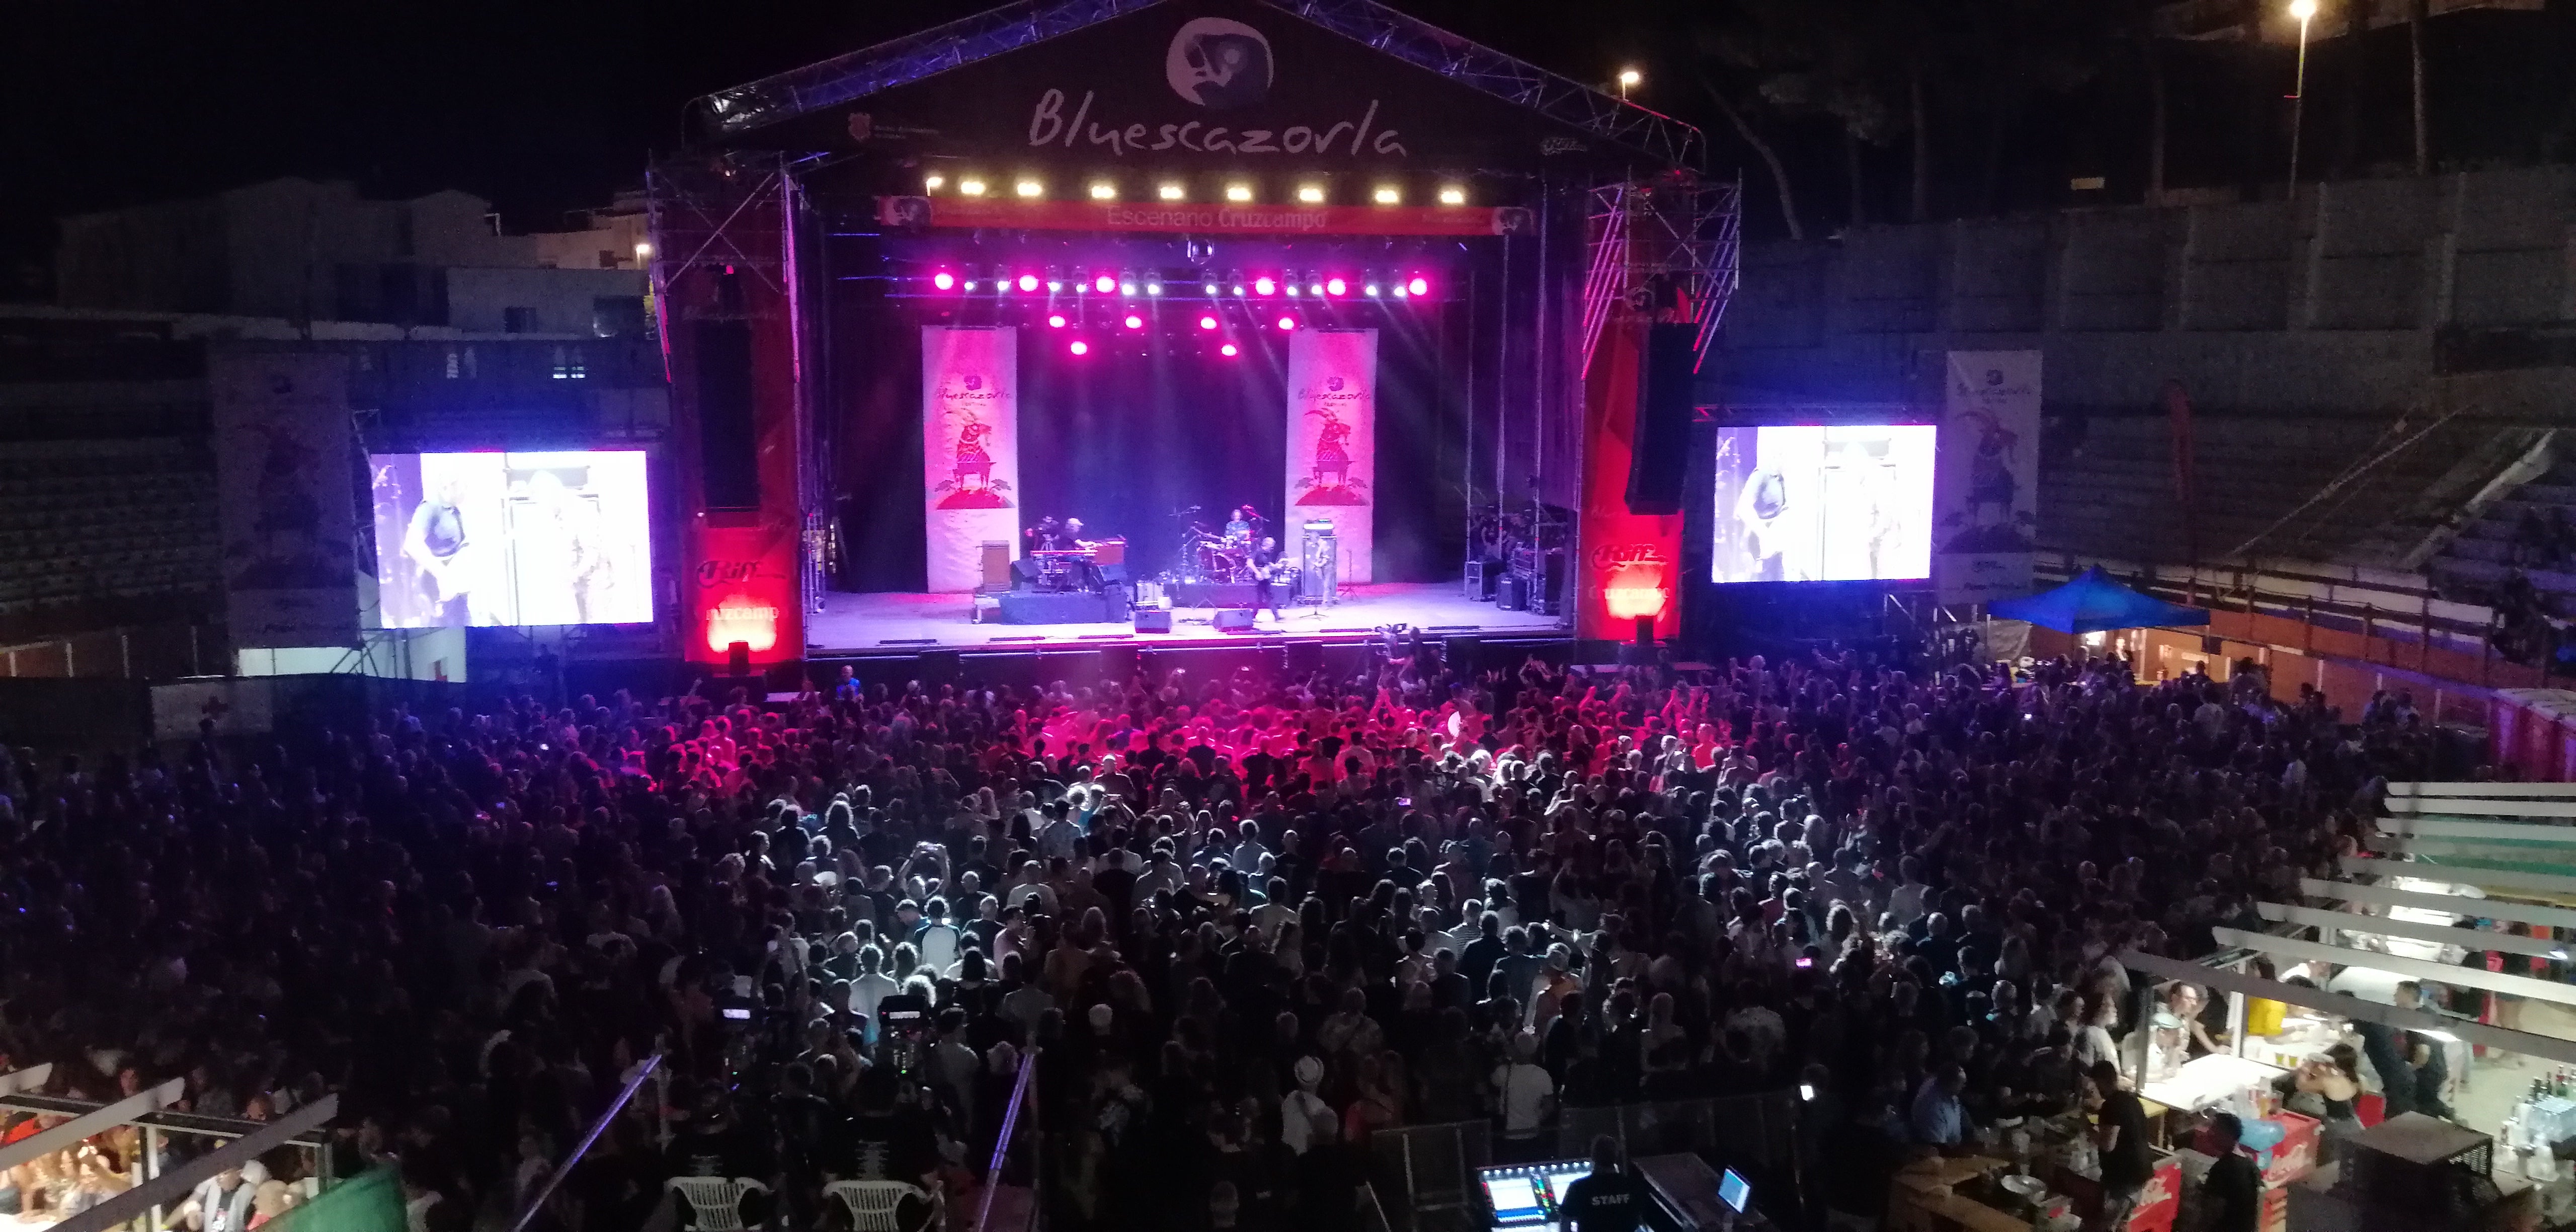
(970, 447)
(1332, 443)
(1985, 489)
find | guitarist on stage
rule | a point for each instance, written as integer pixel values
(1265, 579)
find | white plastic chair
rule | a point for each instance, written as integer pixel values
(873, 1205)
(714, 1202)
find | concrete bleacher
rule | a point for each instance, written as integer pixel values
(106, 520)
(2483, 554)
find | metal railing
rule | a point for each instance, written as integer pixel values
(529, 1207)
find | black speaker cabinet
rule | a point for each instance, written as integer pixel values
(1153, 620)
(1234, 620)
(1512, 594)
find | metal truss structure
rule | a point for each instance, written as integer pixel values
(845, 78)
(1667, 248)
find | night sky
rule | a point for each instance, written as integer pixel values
(541, 107)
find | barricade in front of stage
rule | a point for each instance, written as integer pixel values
(1115, 657)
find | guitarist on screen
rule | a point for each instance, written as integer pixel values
(435, 542)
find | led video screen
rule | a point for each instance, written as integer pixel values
(512, 539)
(1812, 503)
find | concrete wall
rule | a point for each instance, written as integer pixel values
(2337, 303)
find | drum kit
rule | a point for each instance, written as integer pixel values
(1208, 555)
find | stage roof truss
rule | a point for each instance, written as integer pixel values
(1670, 235)
(855, 75)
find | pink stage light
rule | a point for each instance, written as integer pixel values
(1056, 321)
(1264, 286)
(1207, 322)
(1104, 284)
(1335, 286)
(1229, 350)
(1080, 347)
(1135, 322)
(1287, 322)
(943, 280)
(1028, 282)
(1419, 286)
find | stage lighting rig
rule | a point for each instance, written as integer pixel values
(1104, 284)
(1264, 285)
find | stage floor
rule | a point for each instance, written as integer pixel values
(859, 624)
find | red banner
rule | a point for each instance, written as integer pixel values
(1631, 563)
(1017, 214)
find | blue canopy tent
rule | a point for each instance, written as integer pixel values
(2093, 603)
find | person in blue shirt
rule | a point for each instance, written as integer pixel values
(1938, 1119)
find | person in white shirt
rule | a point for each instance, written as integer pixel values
(871, 986)
(1907, 902)
(1527, 1097)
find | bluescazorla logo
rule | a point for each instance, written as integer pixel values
(1218, 63)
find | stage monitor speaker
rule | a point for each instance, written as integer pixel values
(1153, 620)
(737, 659)
(1461, 653)
(728, 446)
(1481, 576)
(1553, 583)
(1024, 572)
(1234, 620)
(1512, 593)
(1659, 454)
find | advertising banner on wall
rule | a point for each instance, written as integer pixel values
(1631, 562)
(283, 452)
(970, 433)
(1332, 444)
(1986, 491)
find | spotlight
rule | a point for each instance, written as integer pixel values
(1262, 286)
(1419, 286)
(1287, 322)
(1453, 196)
(1170, 192)
(1134, 321)
(1028, 282)
(1311, 194)
(943, 280)
(1238, 192)
(1314, 288)
(1399, 290)
(1104, 191)
(1238, 290)
(1370, 290)
(1209, 288)
(1104, 284)
(1153, 288)
(934, 182)
(1080, 347)
(643, 249)
(1207, 322)
(1029, 188)
(1126, 288)
(970, 284)
(1229, 350)
(1054, 285)
(1388, 195)
(1055, 321)
(1292, 289)
(1335, 286)
(971, 187)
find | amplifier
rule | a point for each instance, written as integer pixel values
(1481, 576)
(1512, 594)
(1153, 620)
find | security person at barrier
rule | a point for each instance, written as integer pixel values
(1612, 1199)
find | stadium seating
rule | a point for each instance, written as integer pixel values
(105, 520)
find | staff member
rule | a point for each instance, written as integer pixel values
(1609, 1200)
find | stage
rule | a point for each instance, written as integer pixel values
(903, 623)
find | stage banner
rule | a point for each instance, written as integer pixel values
(284, 450)
(1332, 444)
(1985, 490)
(1631, 562)
(970, 434)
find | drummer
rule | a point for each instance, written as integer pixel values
(1239, 528)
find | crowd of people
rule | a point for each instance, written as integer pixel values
(1204, 936)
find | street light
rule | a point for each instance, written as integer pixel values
(1629, 77)
(2305, 11)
